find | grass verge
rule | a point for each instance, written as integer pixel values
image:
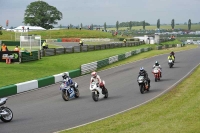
(176, 112)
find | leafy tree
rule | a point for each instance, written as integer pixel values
(1, 30)
(144, 25)
(40, 13)
(117, 25)
(105, 26)
(172, 23)
(60, 26)
(130, 25)
(158, 23)
(189, 24)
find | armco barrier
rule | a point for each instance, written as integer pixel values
(46, 81)
(8, 90)
(75, 73)
(77, 49)
(84, 48)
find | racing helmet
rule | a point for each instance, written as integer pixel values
(65, 75)
(156, 63)
(141, 69)
(94, 74)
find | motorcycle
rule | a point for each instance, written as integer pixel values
(6, 114)
(144, 86)
(97, 91)
(156, 72)
(170, 63)
(69, 92)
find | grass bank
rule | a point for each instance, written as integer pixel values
(55, 34)
(176, 112)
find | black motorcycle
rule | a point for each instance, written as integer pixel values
(143, 84)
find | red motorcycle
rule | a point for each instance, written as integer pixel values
(156, 72)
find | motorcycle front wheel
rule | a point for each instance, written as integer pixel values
(95, 97)
(142, 89)
(8, 117)
(65, 96)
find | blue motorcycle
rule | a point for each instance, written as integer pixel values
(69, 91)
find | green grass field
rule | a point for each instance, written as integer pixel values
(174, 112)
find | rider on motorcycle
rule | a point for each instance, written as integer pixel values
(171, 57)
(172, 53)
(97, 79)
(145, 74)
(68, 80)
(159, 66)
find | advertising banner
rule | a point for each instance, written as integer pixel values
(13, 55)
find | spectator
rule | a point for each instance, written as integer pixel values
(81, 43)
(23, 28)
(4, 47)
(44, 45)
(28, 29)
(16, 49)
(124, 40)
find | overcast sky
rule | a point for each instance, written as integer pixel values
(99, 11)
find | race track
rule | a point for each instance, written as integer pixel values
(44, 110)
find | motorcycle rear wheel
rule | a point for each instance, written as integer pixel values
(64, 96)
(9, 117)
(106, 94)
(77, 94)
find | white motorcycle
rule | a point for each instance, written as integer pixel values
(97, 91)
(69, 92)
(6, 114)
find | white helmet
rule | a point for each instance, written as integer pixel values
(94, 74)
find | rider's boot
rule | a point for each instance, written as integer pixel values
(103, 90)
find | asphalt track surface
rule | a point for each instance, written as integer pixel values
(44, 110)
